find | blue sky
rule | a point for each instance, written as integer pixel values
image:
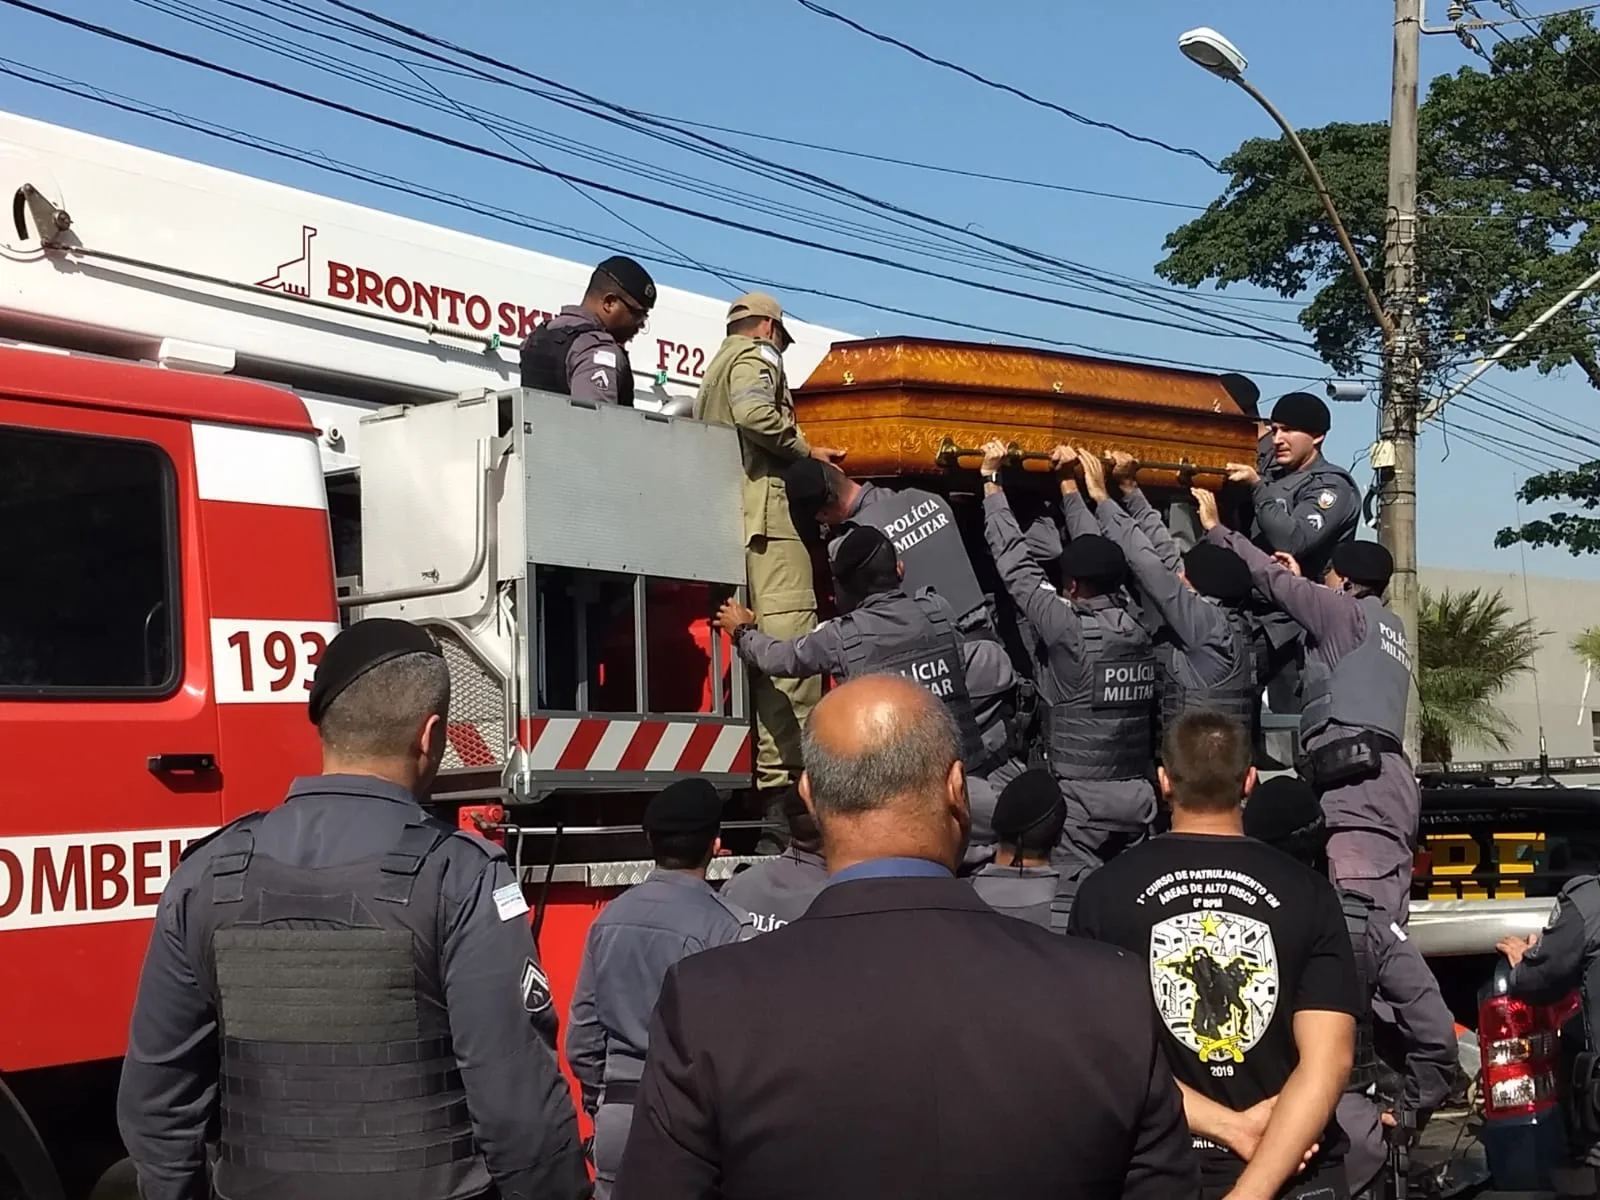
(775, 68)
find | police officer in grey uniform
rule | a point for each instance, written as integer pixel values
(1352, 723)
(580, 352)
(1397, 988)
(1304, 506)
(1020, 882)
(778, 889)
(1097, 676)
(1203, 639)
(346, 987)
(674, 913)
(883, 630)
(920, 524)
(1565, 955)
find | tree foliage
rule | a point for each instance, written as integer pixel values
(1508, 200)
(1472, 650)
(1586, 646)
(1509, 193)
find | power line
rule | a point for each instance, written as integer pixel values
(1262, 336)
(1514, 9)
(79, 89)
(796, 173)
(941, 169)
(886, 39)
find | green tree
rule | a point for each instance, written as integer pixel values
(1509, 175)
(1472, 649)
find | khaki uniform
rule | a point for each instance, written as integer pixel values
(745, 387)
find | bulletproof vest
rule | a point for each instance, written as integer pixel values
(893, 633)
(1358, 911)
(1367, 688)
(1099, 722)
(544, 360)
(338, 1077)
(1584, 895)
(1236, 695)
(1323, 476)
(927, 540)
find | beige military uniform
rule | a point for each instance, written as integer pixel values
(745, 387)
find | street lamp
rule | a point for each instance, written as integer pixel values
(1217, 54)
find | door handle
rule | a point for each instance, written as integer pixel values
(185, 764)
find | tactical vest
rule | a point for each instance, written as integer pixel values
(927, 540)
(1358, 911)
(1100, 725)
(1236, 695)
(1366, 689)
(338, 1076)
(893, 633)
(544, 360)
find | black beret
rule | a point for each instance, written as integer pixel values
(688, 806)
(1095, 560)
(1243, 392)
(633, 279)
(1030, 799)
(1279, 808)
(353, 653)
(860, 545)
(1365, 563)
(1217, 572)
(1302, 411)
(806, 483)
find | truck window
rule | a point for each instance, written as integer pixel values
(89, 552)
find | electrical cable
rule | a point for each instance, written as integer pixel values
(886, 39)
(1513, 8)
(635, 114)
(79, 89)
(1264, 337)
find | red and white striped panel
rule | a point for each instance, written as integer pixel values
(603, 744)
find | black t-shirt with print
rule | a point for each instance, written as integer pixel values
(1239, 937)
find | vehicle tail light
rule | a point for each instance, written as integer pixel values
(1517, 1043)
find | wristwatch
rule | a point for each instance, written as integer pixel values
(991, 477)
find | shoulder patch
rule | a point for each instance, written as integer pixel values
(1326, 498)
(771, 355)
(605, 358)
(239, 823)
(509, 901)
(535, 988)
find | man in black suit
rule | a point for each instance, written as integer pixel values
(902, 1038)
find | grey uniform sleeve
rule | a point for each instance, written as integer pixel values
(1080, 521)
(1307, 529)
(169, 1077)
(1153, 527)
(586, 1037)
(820, 652)
(1555, 961)
(1333, 618)
(1408, 987)
(1052, 620)
(594, 363)
(1192, 620)
(502, 1023)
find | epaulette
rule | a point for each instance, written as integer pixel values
(249, 818)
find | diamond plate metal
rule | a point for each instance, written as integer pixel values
(477, 722)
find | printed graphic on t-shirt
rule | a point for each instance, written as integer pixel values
(1215, 978)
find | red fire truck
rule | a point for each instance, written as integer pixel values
(230, 415)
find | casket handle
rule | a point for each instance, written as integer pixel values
(949, 455)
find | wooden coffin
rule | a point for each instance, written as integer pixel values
(904, 406)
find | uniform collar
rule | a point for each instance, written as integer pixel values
(578, 310)
(807, 857)
(677, 879)
(355, 787)
(861, 498)
(995, 869)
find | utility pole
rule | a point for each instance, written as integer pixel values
(1396, 452)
